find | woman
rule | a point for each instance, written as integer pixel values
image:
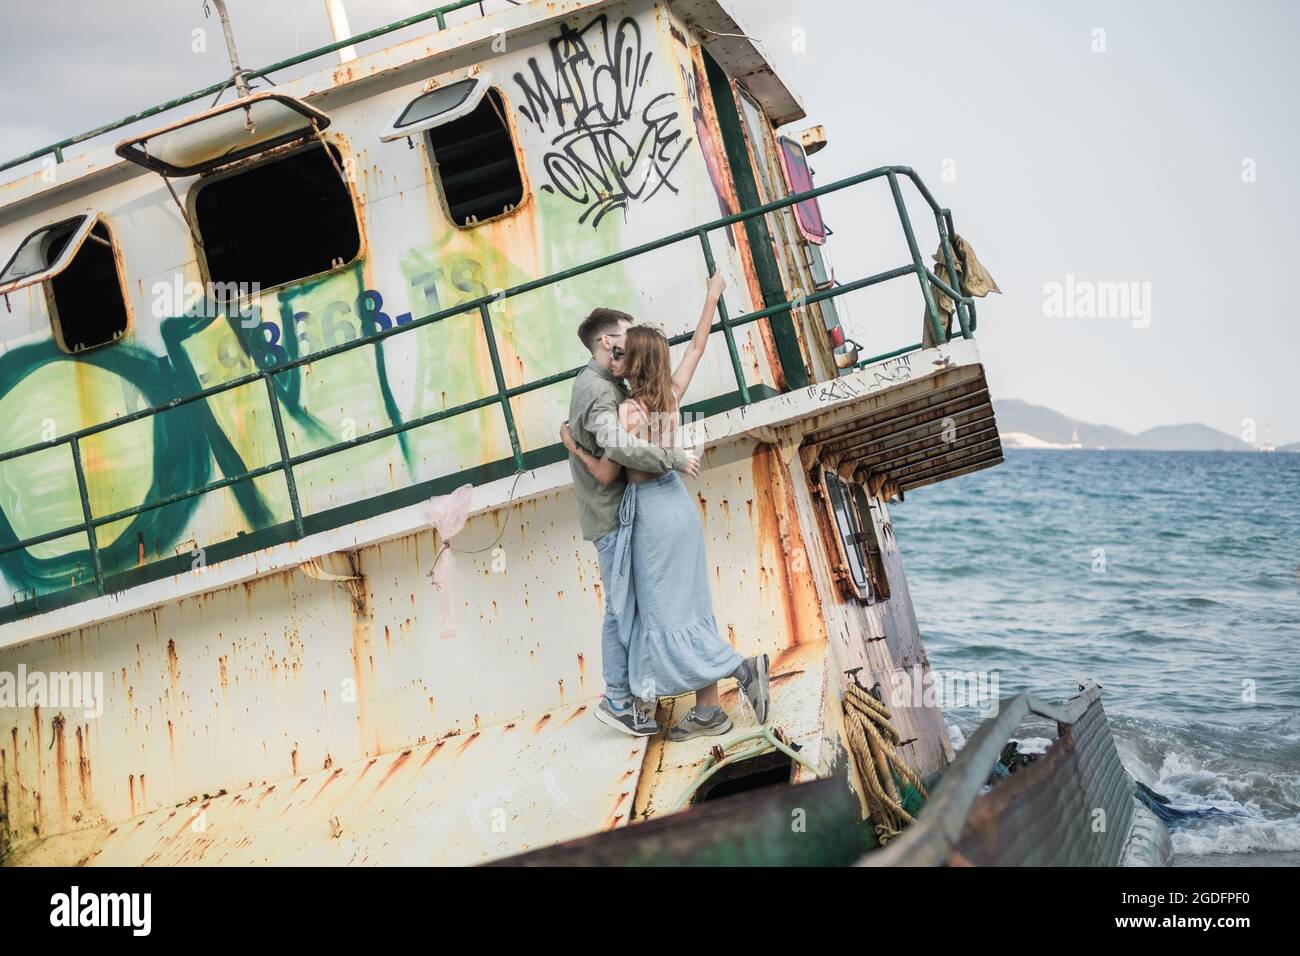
(660, 581)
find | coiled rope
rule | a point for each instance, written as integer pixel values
(872, 739)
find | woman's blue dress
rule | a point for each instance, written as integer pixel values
(659, 590)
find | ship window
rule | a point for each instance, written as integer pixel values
(470, 147)
(283, 219)
(44, 253)
(87, 304)
(798, 176)
(869, 544)
(74, 259)
(474, 159)
(440, 105)
(225, 134)
(857, 545)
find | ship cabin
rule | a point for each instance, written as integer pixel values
(259, 343)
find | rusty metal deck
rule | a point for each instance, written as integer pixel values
(463, 799)
(458, 800)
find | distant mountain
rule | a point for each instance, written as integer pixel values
(1027, 426)
(1051, 426)
(1195, 437)
(1294, 446)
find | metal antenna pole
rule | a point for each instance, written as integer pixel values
(340, 29)
(241, 85)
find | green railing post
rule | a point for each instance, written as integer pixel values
(726, 322)
(918, 265)
(970, 305)
(84, 491)
(954, 279)
(285, 465)
(503, 393)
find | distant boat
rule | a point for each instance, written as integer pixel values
(1268, 442)
(1074, 439)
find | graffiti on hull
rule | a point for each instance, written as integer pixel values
(45, 392)
(614, 142)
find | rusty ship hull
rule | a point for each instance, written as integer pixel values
(222, 517)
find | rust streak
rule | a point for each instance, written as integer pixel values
(779, 538)
(328, 780)
(396, 765)
(173, 664)
(432, 753)
(61, 767)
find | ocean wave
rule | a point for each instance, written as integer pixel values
(956, 738)
(1276, 581)
(1254, 805)
(1286, 727)
(1248, 836)
(1194, 601)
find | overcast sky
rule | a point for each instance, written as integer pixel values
(1151, 143)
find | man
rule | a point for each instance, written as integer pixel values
(593, 422)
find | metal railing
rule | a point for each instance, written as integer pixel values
(438, 14)
(503, 395)
(933, 838)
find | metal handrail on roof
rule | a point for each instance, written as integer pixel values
(438, 14)
(503, 394)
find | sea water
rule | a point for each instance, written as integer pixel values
(1170, 578)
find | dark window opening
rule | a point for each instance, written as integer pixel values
(768, 770)
(475, 159)
(278, 221)
(847, 525)
(856, 532)
(869, 542)
(88, 307)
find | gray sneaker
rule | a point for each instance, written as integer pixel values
(754, 690)
(693, 725)
(636, 719)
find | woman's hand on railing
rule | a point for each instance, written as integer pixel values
(717, 283)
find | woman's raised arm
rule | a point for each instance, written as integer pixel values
(695, 350)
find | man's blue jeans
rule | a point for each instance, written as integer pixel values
(613, 655)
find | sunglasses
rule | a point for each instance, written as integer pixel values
(617, 352)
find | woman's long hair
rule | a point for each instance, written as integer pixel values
(649, 371)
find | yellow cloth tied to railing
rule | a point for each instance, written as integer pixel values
(975, 281)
